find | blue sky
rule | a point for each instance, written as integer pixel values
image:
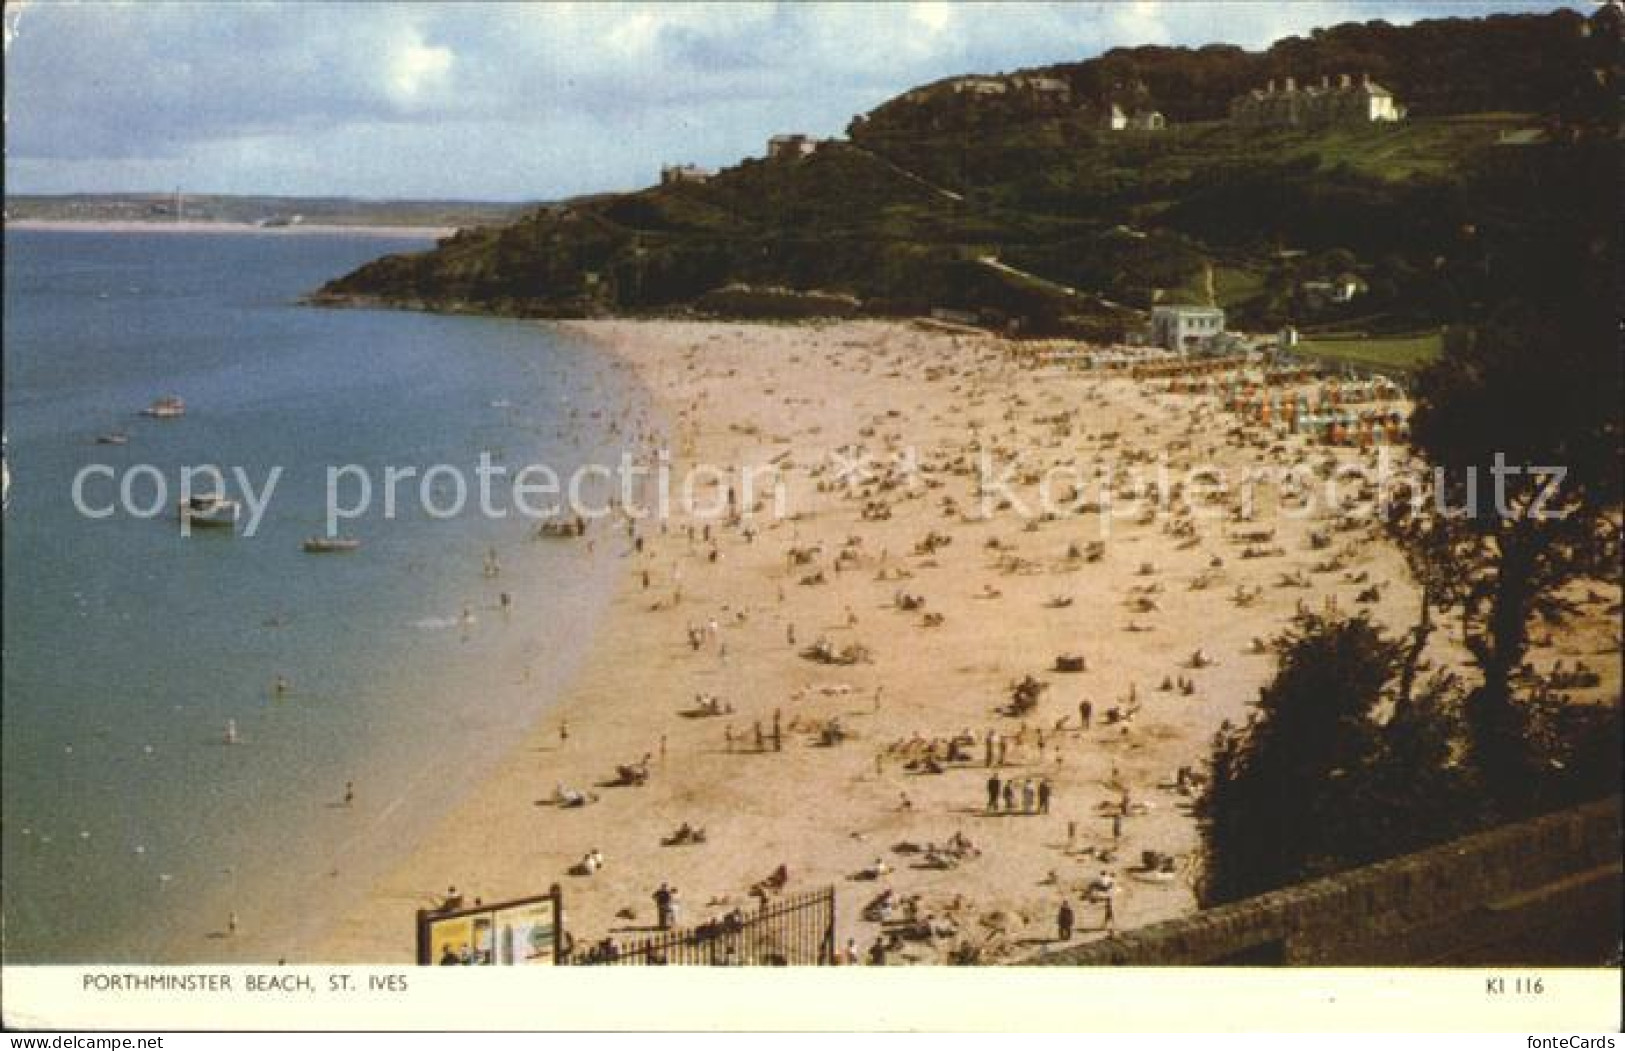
(515, 101)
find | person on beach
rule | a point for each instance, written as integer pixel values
(1064, 920)
(1044, 792)
(1086, 713)
(989, 760)
(993, 787)
(663, 909)
(1010, 796)
(1029, 796)
(349, 792)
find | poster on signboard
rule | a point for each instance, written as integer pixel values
(451, 940)
(527, 934)
(507, 934)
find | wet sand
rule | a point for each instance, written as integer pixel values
(1002, 599)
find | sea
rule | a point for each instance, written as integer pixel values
(214, 744)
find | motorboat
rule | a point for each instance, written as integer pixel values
(211, 510)
(169, 407)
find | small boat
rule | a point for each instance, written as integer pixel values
(328, 545)
(168, 407)
(210, 509)
(113, 438)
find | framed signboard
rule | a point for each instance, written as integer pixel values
(519, 933)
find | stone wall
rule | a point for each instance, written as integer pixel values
(1545, 891)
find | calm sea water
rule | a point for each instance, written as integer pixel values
(131, 829)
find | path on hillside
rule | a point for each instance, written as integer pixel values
(905, 173)
(1000, 265)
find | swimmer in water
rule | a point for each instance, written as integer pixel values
(231, 732)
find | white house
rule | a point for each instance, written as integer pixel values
(678, 173)
(1186, 327)
(1346, 102)
(791, 147)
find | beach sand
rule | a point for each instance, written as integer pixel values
(748, 395)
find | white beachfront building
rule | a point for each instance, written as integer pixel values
(1187, 327)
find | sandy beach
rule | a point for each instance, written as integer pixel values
(951, 608)
(102, 226)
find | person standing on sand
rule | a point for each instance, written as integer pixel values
(1044, 791)
(1064, 920)
(993, 792)
(989, 762)
(1010, 795)
(1086, 713)
(1029, 797)
(663, 910)
(1004, 745)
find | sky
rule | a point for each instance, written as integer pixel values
(514, 101)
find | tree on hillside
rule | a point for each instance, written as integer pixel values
(1521, 420)
(1335, 768)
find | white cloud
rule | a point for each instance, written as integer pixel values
(934, 16)
(416, 71)
(517, 99)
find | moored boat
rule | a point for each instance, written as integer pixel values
(210, 509)
(328, 545)
(168, 407)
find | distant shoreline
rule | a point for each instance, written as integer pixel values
(134, 226)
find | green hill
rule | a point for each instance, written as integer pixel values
(1015, 203)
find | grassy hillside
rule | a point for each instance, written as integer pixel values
(1020, 207)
